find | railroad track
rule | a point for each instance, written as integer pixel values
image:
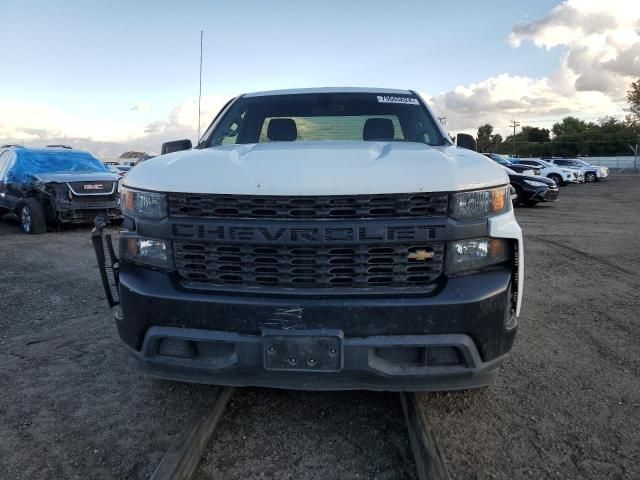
(183, 456)
(430, 464)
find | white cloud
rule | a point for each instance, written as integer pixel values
(601, 58)
(602, 41)
(29, 121)
(141, 107)
(185, 116)
(38, 125)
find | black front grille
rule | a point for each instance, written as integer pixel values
(404, 205)
(92, 188)
(360, 266)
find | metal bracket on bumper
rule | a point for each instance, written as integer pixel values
(108, 262)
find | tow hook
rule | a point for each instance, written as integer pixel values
(108, 262)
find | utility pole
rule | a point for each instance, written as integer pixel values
(442, 120)
(636, 153)
(514, 124)
(200, 91)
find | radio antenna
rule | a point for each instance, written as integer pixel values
(200, 90)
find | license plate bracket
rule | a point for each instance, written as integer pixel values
(303, 350)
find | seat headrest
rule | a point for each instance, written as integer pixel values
(378, 129)
(282, 130)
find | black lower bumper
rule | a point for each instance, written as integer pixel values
(452, 339)
(86, 212)
(371, 363)
(88, 215)
(543, 194)
(551, 195)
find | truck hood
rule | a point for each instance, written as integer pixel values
(318, 168)
(75, 177)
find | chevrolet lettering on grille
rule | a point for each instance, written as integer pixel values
(318, 235)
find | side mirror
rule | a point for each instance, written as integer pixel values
(176, 146)
(513, 194)
(465, 140)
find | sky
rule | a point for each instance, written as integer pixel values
(112, 76)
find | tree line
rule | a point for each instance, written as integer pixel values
(571, 136)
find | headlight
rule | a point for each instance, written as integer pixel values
(148, 251)
(528, 172)
(150, 205)
(469, 255)
(535, 183)
(480, 203)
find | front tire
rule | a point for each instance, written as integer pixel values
(556, 178)
(590, 177)
(31, 215)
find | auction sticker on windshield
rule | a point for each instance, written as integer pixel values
(390, 99)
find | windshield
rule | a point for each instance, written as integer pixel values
(325, 116)
(500, 159)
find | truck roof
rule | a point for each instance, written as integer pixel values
(296, 91)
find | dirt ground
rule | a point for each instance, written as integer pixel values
(566, 404)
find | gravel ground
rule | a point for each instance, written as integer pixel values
(566, 404)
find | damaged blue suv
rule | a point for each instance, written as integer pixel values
(51, 186)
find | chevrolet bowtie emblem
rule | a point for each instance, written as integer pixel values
(420, 255)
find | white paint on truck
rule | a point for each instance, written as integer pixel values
(318, 168)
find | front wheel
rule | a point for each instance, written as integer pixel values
(32, 219)
(590, 177)
(556, 178)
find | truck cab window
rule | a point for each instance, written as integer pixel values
(326, 117)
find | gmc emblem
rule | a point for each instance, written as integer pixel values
(95, 186)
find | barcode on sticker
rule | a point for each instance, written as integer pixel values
(390, 99)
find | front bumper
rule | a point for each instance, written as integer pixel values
(225, 358)
(452, 337)
(574, 177)
(83, 212)
(386, 341)
(540, 194)
(550, 195)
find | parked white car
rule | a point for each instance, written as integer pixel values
(592, 173)
(561, 176)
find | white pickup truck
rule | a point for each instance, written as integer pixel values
(324, 239)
